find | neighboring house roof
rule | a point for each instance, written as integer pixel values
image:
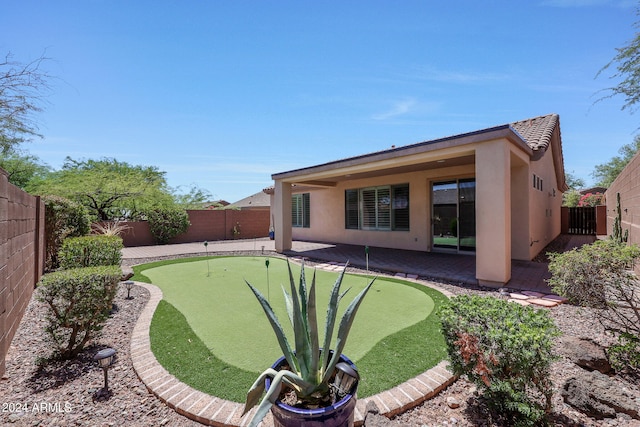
(533, 136)
(258, 200)
(216, 204)
(593, 190)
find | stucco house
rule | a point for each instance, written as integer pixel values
(494, 193)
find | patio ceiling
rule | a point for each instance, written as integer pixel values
(346, 174)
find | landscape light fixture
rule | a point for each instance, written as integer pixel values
(206, 244)
(346, 376)
(266, 264)
(129, 285)
(105, 359)
(366, 255)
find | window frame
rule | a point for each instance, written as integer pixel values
(378, 208)
(301, 210)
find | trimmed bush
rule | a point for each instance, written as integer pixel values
(505, 349)
(78, 302)
(90, 251)
(63, 218)
(167, 222)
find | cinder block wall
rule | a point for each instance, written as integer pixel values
(208, 225)
(21, 257)
(628, 185)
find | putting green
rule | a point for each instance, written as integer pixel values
(225, 315)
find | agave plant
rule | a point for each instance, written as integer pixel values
(311, 367)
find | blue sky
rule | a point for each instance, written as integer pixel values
(221, 94)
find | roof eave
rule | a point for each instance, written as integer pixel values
(504, 131)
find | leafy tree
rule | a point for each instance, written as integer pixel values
(22, 88)
(606, 173)
(108, 188)
(571, 198)
(22, 168)
(573, 181)
(627, 65)
(196, 198)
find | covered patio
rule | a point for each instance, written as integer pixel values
(457, 269)
(493, 195)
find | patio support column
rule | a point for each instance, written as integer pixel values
(493, 213)
(282, 216)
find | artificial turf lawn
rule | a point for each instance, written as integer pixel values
(222, 311)
(395, 336)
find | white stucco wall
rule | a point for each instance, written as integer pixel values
(544, 205)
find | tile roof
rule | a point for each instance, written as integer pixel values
(537, 131)
(256, 200)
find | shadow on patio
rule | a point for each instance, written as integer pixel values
(448, 268)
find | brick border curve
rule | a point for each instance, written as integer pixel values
(213, 411)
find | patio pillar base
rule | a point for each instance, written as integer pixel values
(491, 284)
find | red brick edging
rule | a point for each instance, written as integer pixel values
(210, 410)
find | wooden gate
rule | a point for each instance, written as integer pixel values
(582, 220)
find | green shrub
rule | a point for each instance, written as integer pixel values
(62, 218)
(625, 355)
(505, 349)
(598, 275)
(167, 222)
(77, 305)
(587, 275)
(90, 251)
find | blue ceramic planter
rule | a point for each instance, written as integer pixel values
(340, 414)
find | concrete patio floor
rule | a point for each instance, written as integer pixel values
(448, 268)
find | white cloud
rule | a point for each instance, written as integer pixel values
(399, 108)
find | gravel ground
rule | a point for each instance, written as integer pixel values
(66, 393)
(572, 321)
(37, 392)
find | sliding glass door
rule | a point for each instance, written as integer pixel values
(454, 215)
